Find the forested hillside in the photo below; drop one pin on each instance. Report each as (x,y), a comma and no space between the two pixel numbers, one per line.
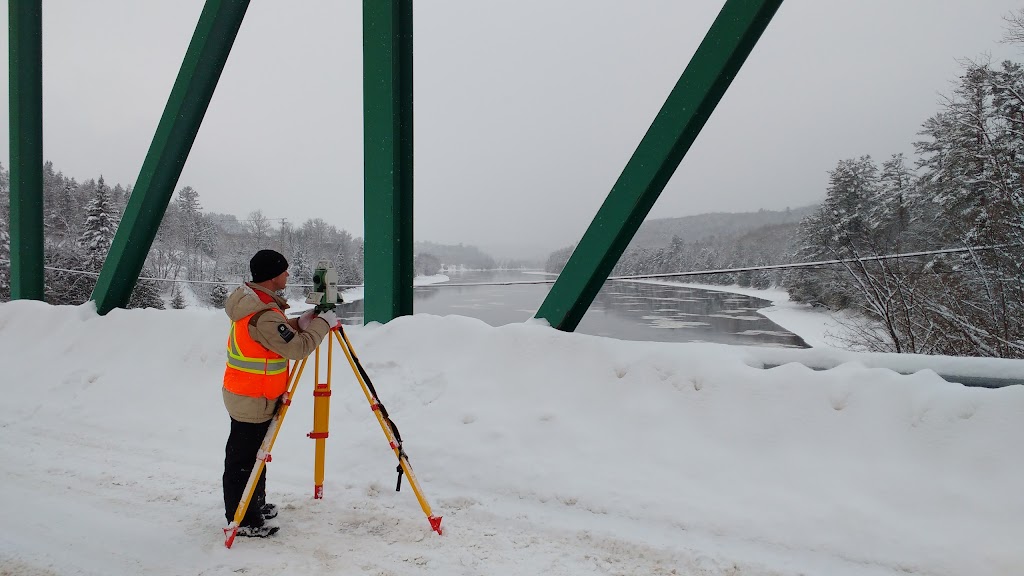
(710,242)
(202,248)
(659,232)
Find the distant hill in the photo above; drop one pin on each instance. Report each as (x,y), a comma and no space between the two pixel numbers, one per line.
(658,233)
(708,241)
(465,255)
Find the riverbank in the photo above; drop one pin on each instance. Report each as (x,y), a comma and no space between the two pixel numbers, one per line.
(353,294)
(819,328)
(826,334)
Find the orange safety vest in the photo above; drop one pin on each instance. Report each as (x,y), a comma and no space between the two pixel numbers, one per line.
(253,370)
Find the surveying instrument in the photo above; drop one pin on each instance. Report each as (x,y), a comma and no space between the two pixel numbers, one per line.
(325,297)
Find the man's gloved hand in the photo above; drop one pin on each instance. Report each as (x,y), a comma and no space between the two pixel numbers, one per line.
(305,319)
(332,319)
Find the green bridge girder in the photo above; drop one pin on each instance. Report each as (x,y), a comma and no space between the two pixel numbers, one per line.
(25,52)
(186,106)
(387,159)
(388,147)
(715,63)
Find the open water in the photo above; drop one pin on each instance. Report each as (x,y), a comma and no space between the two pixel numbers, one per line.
(622,309)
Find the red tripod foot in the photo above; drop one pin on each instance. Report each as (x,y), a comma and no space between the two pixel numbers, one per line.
(229,535)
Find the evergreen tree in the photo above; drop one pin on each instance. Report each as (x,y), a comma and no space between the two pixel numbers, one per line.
(426,264)
(60,286)
(301,272)
(890,213)
(5,238)
(119,198)
(100,224)
(177,300)
(65,217)
(558,259)
(5,258)
(146,294)
(191,231)
(219,293)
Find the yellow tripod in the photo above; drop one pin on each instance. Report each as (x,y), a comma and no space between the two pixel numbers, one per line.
(321,414)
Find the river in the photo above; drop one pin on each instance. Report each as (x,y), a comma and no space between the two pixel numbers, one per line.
(622,309)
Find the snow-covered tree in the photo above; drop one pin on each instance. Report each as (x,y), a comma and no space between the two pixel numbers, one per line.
(968,193)
(146,294)
(5,258)
(194,232)
(65,216)
(5,237)
(426,264)
(219,293)
(177,299)
(259,227)
(100,225)
(60,285)
(349,259)
(558,259)
(300,272)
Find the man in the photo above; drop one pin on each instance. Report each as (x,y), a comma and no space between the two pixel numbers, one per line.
(261,341)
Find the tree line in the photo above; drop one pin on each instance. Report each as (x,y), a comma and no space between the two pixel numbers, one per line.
(764,245)
(80,218)
(967,192)
(204,250)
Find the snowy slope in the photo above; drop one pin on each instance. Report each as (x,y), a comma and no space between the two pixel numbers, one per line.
(546,453)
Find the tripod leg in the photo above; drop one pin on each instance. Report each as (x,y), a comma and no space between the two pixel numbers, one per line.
(262,457)
(321,421)
(379,412)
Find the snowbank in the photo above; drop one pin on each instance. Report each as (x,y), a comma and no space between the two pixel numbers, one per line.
(545,452)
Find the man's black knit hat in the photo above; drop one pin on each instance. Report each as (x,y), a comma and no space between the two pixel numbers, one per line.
(267,264)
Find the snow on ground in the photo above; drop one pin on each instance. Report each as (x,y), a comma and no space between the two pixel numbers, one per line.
(545,452)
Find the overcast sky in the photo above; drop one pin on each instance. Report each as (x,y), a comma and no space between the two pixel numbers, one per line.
(526,111)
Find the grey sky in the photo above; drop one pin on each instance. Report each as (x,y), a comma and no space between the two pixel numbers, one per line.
(526,110)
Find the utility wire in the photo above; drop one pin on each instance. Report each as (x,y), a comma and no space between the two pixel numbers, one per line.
(752,268)
(816,264)
(796,265)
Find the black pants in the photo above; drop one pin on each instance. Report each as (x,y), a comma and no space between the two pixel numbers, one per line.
(239,458)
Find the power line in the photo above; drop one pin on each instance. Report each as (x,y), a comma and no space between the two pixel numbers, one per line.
(816,264)
(753,268)
(796,265)
(251,220)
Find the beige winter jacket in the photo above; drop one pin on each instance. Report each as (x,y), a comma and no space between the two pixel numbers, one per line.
(264,328)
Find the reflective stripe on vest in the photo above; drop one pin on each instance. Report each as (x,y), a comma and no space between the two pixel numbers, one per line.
(251,368)
(252,365)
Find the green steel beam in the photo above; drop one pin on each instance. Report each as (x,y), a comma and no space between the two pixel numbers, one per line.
(190,96)
(715,63)
(387,162)
(25,20)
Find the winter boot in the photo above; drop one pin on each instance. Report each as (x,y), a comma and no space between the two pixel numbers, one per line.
(267,529)
(268,511)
